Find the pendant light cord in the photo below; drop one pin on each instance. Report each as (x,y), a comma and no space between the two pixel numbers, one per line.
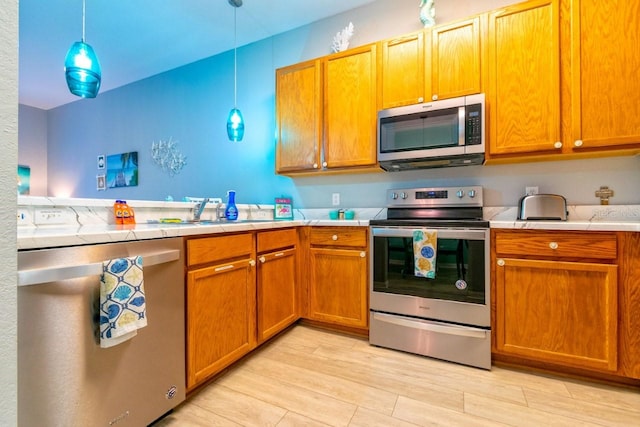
(83,18)
(235,57)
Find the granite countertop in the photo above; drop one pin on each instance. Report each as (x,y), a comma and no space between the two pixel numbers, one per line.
(59,236)
(580,218)
(90,221)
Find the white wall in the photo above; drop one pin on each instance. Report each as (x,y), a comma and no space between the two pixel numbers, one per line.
(9,144)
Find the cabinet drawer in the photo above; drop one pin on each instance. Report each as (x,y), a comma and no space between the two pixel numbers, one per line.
(557,244)
(276,239)
(212,249)
(338,236)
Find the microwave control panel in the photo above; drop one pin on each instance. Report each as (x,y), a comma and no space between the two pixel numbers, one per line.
(473,124)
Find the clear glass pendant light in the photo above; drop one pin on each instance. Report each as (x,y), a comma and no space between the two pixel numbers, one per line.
(81,67)
(235,122)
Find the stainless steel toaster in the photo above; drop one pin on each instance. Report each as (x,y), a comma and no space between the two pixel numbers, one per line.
(542,207)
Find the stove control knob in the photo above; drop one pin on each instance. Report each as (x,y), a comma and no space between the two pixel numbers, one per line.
(403,195)
(472,193)
(460,194)
(394,196)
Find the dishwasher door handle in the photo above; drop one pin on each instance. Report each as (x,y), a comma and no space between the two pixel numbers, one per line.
(39,276)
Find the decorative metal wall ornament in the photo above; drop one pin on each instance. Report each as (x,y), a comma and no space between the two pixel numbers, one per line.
(167,155)
(341,40)
(428,13)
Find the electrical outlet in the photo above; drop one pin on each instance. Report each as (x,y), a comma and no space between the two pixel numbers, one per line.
(23,217)
(50,216)
(335,199)
(530,190)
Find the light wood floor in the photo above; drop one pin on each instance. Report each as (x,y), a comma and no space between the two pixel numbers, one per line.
(311,377)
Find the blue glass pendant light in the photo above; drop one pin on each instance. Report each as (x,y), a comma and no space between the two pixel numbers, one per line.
(235,122)
(81,67)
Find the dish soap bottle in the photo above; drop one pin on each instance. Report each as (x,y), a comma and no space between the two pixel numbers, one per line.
(231,211)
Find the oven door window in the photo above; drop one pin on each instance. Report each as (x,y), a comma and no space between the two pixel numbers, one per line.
(459,269)
(420,131)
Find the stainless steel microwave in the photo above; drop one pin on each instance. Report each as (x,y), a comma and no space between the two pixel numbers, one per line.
(435,134)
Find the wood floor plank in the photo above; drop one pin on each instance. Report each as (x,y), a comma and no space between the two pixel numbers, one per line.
(191,415)
(589,411)
(417,370)
(329,385)
(291,419)
(423,414)
(238,407)
(623,398)
(375,377)
(367,418)
(515,415)
(293,398)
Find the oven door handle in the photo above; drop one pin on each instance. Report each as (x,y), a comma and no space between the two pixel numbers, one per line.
(463,331)
(442,233)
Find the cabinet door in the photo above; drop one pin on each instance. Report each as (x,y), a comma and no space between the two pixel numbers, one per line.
(605,59)
(277,292)
(630,305)
(350,108)
(455,59)
(402,77)
(338,286)
(221,325)
(561,312)
(524,79)
(298,117)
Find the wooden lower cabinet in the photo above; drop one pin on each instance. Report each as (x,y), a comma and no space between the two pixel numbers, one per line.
(276,282)
(221,304)
(629,298)
(562,312)
(338,276)
(556,297)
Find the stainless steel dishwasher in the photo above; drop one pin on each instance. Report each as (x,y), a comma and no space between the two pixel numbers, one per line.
(64,377)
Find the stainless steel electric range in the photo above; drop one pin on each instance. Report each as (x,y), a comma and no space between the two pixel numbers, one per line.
(446,315)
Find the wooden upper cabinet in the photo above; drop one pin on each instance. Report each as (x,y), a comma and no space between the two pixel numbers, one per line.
(350,109)
(402,70)
(298,117)
(524,79)
(605,77)
(455,60)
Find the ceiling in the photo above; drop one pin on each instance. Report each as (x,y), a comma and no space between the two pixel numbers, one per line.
(135,39)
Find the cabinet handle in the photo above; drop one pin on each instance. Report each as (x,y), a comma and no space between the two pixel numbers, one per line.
(557,144)
(500,262)
(262,259)
(363,254)
(434,97)
(324,164)
(315,166)
(553,245)
(578,143)
(421,99)
(252,262)
(334,237)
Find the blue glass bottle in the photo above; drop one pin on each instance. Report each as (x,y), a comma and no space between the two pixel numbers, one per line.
(231,211)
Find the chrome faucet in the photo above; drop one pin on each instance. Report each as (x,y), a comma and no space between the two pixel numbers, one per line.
(199,208)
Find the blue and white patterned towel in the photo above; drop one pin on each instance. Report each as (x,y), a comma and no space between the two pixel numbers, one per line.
(425,245)
(122,300)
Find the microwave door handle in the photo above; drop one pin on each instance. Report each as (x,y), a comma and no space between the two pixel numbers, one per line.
(462,116)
